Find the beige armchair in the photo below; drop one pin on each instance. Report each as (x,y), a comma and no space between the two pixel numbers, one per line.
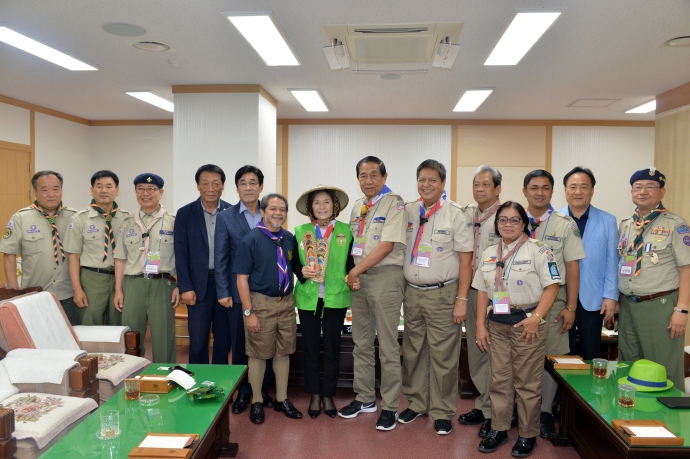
(37,321)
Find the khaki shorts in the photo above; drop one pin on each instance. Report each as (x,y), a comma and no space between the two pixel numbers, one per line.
(556,343)
(278,326)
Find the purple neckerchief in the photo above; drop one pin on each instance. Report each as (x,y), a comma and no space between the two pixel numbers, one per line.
(283,278)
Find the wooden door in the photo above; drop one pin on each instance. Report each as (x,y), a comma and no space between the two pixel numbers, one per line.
(15,188)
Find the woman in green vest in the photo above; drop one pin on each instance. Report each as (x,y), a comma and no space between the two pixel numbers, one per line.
(322,295)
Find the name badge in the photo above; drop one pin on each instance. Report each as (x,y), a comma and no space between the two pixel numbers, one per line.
(627,265)
(501,302)
(552,238)
(153,262)
(358,247)
(423,256)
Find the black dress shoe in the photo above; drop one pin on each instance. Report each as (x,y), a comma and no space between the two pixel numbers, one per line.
(524,446)
(314,409)
(443,426)
(546,426)
(288,409)
(256,415)
(485,428)
(514,420)
(241,403)
(268,401)
(493,440)
(473,417)
(556,411)
(331,412)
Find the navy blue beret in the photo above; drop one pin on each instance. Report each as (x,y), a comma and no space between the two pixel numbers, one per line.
(149,179)
(649,174)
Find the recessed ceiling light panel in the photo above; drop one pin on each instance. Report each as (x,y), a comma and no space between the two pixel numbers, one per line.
(523,32)
(310,99)
(644,108)
(153,99)
(122,29)
(677,42)
(261,30)
(31,46)
(471,100)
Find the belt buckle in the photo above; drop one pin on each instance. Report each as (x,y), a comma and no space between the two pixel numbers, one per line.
(279,299)
(635,299)
(146,276)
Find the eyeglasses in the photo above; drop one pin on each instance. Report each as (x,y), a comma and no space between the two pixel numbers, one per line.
(515,221)
(147,190)
(252,184)
(647,188)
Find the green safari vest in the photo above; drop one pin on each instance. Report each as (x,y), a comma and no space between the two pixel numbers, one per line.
(337,293)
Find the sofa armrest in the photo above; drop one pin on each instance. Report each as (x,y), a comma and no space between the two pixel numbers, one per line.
(105,338)
(8,444)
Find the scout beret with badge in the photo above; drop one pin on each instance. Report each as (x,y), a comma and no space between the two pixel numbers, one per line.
(649,174)
(149,179)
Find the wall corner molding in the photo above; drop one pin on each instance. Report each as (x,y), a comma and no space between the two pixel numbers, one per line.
(224,88)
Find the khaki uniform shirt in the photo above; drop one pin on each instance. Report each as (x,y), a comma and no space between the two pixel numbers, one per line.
(448,232)
(526,274)
(669,236)
(129,243)
(86,236)
(385,222)
(29,235)
(487,233)
(561,234)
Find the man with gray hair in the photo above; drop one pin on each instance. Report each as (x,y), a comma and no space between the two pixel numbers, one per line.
(486,187)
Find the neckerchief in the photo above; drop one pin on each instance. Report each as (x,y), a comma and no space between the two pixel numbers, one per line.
(283,279)
(367,205)
(423,218)
(534,223)
(52,219)
(498,281)
(145,233)
(322,250)
(478,225)
(641,223)
(329,230)
(109,236)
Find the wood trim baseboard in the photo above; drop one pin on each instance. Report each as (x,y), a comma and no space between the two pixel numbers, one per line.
(454,122)
(548,148)
(673,98)
(224,88)
(131,123)
(15,146)
(454,163)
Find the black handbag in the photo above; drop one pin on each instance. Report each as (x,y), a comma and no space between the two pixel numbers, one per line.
(515,316)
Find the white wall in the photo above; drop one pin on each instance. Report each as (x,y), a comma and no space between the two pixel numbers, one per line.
(64,146)
(328,155)
(129,151)
(612,153)
(266,148)
(15,124)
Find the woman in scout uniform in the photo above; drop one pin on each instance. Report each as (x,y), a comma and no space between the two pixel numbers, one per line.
(520,278)
(322,295)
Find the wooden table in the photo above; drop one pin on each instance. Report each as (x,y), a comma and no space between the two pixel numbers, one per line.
(174,413)
(589,406)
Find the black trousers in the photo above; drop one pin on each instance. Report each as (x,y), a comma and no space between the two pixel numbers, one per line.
(205,316)
(332,325)
(587,328)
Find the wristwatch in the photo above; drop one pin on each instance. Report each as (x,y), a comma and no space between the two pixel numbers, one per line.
(248,312)
(683,311)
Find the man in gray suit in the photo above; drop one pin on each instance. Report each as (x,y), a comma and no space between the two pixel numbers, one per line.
(232,225)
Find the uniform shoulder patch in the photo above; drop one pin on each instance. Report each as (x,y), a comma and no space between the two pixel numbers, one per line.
(8,233)
(683,229)
(575,229)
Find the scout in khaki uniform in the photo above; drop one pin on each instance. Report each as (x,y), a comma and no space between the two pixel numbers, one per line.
(36,233)
(518,279)
(377,223)
(90,243)
(438,271)
(486,187)
(264,266)
(145,288)
(653,278)
(561,234)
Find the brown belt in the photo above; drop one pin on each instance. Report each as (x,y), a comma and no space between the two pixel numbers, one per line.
(382,269)
(110,272)
(155,276)
(641,298)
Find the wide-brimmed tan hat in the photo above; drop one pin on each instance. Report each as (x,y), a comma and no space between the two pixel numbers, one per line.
(302,201)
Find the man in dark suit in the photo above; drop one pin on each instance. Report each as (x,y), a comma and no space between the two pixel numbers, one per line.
(195,228)
(233,225)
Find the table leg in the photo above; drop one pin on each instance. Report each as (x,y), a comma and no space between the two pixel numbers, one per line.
(227,449)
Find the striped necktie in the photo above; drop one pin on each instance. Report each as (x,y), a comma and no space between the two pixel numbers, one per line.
(52,219)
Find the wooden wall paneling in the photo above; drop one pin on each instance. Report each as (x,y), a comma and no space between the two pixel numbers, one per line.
(456,122)
(454,163)
(284,165)
(548,149)
(673,98)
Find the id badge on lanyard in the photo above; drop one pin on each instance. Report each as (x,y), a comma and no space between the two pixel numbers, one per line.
(501,302)
(153,263)
(423,256)
(627,265)
(358,247)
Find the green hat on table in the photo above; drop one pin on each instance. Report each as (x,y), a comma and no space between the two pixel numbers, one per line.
(647,376)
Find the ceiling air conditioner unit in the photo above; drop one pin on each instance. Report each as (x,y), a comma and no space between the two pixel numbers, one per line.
(372,48)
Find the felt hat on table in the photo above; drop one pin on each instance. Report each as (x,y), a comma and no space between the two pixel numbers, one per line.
(647,376)
(302,200)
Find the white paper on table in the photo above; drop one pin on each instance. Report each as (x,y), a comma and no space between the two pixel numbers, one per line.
(608,332)
(651,432)
(157,441)
(570,361)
